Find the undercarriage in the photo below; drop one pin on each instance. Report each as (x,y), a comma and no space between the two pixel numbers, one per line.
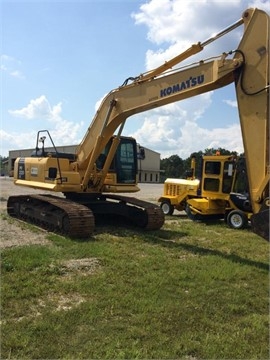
(75,215)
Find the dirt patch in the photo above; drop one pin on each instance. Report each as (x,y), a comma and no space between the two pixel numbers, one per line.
(16,233)
(54,302)
(84,266)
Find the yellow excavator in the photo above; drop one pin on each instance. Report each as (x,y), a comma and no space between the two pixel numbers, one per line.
(105,163)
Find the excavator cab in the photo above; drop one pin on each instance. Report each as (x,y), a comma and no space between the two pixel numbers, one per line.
(124,163)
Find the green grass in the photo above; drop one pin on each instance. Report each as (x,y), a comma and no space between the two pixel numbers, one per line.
(189,291)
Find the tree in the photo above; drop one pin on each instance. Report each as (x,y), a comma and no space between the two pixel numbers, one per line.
(173,166)
(187,162)
(3,165)
(220,151)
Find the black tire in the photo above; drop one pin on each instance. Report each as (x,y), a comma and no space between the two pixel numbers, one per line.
(192,216)
(237,219)
(167,208)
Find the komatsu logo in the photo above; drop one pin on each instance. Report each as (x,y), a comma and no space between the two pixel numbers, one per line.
(189,83)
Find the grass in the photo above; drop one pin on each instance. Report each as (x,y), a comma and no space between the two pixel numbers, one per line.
(189,291)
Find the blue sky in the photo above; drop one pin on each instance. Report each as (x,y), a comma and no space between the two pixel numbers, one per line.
(60,58)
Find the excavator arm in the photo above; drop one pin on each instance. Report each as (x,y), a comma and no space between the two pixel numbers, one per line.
(252,90)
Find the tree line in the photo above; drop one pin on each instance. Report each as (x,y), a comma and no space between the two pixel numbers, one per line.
(176,167)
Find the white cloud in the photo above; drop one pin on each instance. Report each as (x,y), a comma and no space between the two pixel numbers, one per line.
(17,74)
(232,103)
(15,140)
(172,27)
(176,25)
(260,4)
(178,132)
(39,108)
(11,66)
(62,131)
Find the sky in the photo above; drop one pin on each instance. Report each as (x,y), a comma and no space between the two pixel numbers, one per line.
(60,58)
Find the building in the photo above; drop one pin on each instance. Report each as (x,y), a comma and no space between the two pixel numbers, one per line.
(148,165)
(148,161)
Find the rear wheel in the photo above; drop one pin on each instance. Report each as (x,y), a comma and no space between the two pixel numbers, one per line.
(167,208)
(237,219)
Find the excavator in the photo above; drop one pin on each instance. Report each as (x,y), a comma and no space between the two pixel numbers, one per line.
(91,183)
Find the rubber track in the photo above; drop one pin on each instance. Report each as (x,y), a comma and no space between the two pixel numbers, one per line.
(80,219)
(155,215)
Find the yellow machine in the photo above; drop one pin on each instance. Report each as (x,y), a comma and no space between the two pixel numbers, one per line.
(220,191)
(176,192)
(105,162)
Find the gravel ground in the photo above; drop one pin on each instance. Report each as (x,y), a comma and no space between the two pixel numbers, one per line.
(16,233)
